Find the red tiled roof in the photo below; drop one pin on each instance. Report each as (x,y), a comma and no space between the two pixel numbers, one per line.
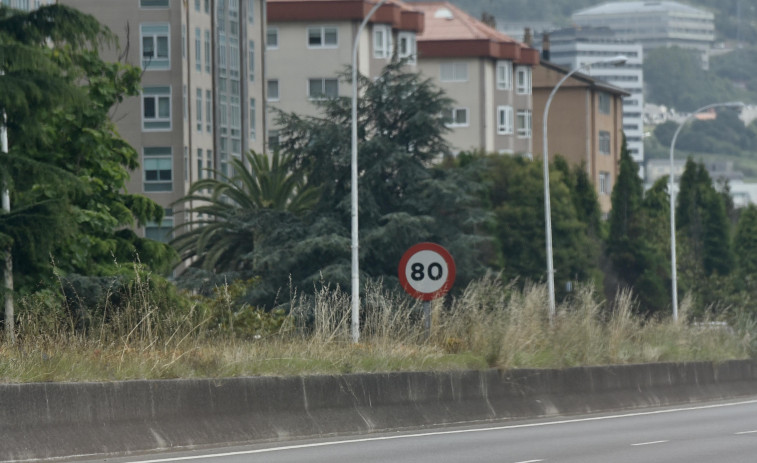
(399,14)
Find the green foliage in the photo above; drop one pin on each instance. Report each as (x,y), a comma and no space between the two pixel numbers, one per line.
(745,243)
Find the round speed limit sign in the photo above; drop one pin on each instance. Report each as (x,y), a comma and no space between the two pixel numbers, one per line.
(426,271)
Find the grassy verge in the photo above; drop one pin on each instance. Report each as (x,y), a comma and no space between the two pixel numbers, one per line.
(491,324)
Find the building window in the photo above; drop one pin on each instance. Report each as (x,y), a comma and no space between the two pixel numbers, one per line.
(321,89)
(155,51)
(157,165)
(251,11)
(322,37)
(523,121)
(222,53)
(456,117)
(162,231)
(209,163)
(505,120)
(198,106)
(153,3)
(198,49)
(234,58)
(273,90)
(604,103)
(504,75)
(454,72)
(407,46)
(207,6)
(523,80)
(272,38)
(208,111)
(184,101)
(156,108)
(605,187)
(207,51)
(199,164)
(382,41)
(183,41)
(252,119)
(273,140)
(197,5)
(604,142)
(251,58)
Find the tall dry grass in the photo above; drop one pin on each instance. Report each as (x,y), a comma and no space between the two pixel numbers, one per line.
(490,324)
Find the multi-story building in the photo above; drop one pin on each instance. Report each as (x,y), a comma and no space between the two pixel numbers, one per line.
(485,72)
(309,43)
(654,24)
(585,124)
(202,92)
(573,47)
(26,5)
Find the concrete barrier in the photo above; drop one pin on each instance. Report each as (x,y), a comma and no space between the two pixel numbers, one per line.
(51,420)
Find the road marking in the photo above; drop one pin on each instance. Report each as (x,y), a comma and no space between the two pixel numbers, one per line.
(443,433)
(745,432)
(650,443)
(530,461)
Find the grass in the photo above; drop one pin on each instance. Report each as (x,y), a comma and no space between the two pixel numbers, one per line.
(490,325)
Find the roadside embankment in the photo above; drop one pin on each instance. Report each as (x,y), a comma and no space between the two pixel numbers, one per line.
(48,420)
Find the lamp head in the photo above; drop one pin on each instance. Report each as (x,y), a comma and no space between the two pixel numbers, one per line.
(616,60)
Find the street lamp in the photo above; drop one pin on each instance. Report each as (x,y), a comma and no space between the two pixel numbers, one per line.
(615,60)
(354,246)
(673,275)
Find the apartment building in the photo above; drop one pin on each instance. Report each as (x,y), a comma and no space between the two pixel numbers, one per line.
(26,5)
(487,74)
(654,24)
(577,46)
(309,43)
(202,91)
(585,124)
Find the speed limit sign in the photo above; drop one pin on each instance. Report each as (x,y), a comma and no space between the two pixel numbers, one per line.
(426,271)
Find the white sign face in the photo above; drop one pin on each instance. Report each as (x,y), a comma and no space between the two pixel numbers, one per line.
(426,271)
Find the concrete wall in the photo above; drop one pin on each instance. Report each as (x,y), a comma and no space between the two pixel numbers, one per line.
(47,420)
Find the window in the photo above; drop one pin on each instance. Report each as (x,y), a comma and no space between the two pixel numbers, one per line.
(207,6)
(208,111)
(272,38)
(504,75)
(234,58)
(183,41)
(504,120)
(407,46)
(604,103)
(252,119)
(156,108)
(456,117)
(604,142)
(197,5)
(222,53)
(454,72)
(155,51)
(605,187)
(162,231)
(273,89)
(382,41)
(207,51)
(157,165)
(523,121)
(199,164)
(251,11)
(198,49)
(273,139)
(184,101)
(251,59)
(321,89)
(322,37)
(209,162)
(198,105)
(523,80)
(153,3)
(186,163)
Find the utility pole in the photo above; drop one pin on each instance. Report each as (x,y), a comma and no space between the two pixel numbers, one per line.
(8,267)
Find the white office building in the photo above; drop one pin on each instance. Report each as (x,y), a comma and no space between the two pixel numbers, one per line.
(573,47)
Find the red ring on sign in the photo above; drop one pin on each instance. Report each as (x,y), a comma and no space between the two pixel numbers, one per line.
(451,272)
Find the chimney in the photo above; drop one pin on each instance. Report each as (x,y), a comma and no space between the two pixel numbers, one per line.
(545,47)
(528,39)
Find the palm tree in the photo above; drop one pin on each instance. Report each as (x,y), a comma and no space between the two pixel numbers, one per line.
(233,215)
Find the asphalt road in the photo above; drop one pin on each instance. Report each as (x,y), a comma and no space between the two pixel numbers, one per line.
(719,432)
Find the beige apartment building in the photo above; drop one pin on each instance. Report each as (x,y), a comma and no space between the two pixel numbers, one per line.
(309,43)
(202,89)
(486,73)
(585,124)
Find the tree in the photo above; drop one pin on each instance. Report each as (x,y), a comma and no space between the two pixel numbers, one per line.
(68,164)
(745,244)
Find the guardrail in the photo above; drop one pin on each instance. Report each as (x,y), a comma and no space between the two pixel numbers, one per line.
(52,420)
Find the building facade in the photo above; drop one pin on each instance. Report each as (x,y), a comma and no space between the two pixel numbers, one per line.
(310,42)
(486,73)
(202,91)
(573,47)
(654,24)
(585,124)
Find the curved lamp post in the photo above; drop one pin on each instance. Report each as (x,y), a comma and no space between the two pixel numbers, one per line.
(673,275)
(616,60)
(354,247)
